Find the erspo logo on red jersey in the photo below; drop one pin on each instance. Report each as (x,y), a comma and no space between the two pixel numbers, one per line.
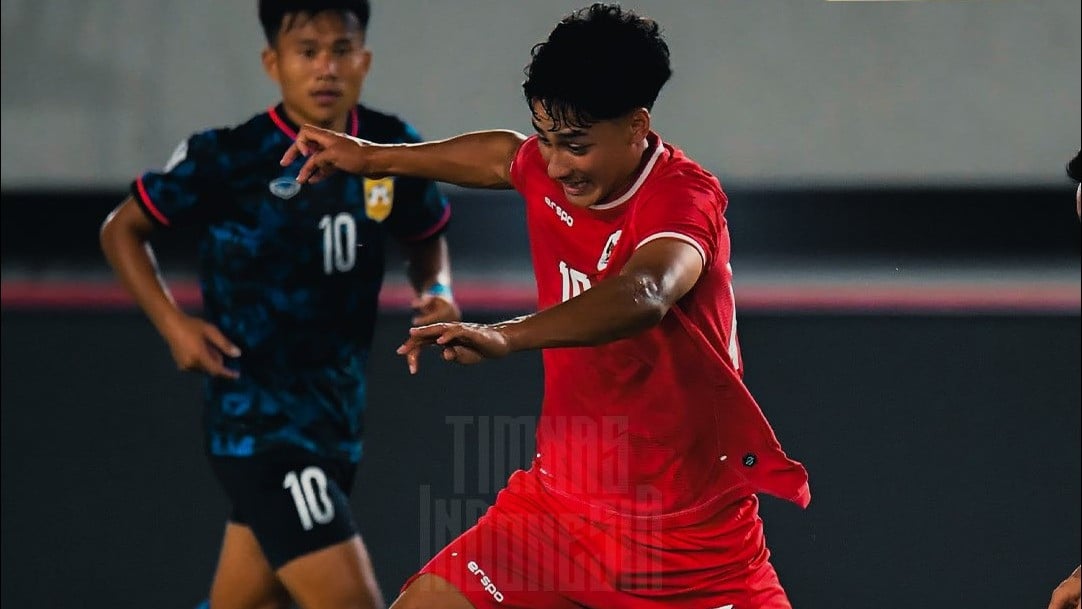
(560,213)
(486,581)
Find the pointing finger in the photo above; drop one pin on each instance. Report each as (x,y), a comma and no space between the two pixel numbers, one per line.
(216,338)
(291,155)
(310,168)
(413,360)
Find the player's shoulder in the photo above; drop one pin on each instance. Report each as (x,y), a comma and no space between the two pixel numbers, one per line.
(233,137)
(678,173)
(675,165)
(530,149)
(250,133)
(529,155)
(676,185)
(528,169)
(384,127)
(225,149)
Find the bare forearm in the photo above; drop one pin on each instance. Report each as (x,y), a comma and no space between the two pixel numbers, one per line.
(476,160)
(133,262)
(428,263)
(613,309)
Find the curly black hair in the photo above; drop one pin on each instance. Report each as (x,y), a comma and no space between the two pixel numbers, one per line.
(273,13)
(599,63)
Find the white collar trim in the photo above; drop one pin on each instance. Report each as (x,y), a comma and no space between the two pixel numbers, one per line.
(638,182)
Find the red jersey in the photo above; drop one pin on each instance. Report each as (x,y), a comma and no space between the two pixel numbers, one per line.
(658,424)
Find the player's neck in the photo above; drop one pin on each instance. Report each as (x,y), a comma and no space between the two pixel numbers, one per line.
(648,146)
(297,121)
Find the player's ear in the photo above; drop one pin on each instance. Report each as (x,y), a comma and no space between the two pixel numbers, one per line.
(639,124)
(366,61)
(270,63)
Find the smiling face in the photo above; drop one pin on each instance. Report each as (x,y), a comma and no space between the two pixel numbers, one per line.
(593,163)
(319,62)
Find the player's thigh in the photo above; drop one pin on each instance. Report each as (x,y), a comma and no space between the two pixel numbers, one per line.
(297,506)
(244,579)
(510,559)
(339,576)
(294,502)
(430,591)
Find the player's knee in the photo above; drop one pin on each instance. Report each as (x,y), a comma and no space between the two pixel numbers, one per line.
(431,592)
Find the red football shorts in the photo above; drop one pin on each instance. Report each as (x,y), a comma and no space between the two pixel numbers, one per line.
(532,550)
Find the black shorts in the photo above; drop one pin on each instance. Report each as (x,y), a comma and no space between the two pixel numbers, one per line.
(293,501)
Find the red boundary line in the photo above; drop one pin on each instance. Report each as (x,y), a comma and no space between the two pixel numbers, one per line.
(822,296)
(83,294)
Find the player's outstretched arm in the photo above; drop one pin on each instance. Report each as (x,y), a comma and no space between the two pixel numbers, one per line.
(194,343)
(656,276)
(477,160)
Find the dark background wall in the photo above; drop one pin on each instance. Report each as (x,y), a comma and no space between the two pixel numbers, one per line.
(834,226)
(943,443)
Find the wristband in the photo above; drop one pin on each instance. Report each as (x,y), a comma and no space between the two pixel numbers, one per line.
(440,290)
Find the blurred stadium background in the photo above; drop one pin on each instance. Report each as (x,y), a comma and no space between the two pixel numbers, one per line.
(906,255)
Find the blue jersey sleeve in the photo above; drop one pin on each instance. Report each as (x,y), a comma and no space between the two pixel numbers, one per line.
(177,194)
(420,210)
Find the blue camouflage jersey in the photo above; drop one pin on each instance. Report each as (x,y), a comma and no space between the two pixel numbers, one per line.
(291,274)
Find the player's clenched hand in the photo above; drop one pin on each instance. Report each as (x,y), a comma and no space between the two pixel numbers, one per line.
(433,309)
(464,343)
(1067,594)
(328,152)
(198,346)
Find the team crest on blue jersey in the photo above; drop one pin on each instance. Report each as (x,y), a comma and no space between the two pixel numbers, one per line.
(284,187)
(606,254)
(378,198)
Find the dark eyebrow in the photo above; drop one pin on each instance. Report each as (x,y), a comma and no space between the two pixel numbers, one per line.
(572,134)
(315,42)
